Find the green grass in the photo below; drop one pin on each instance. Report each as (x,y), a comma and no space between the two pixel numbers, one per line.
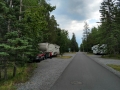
(7,85)
(116,67)
(88,53)
(23,75)
(117,57)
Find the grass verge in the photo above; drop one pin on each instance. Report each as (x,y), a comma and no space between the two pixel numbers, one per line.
(23,75)
(117,57)
(70,52)
(88,53)
(64,57)
(116,67)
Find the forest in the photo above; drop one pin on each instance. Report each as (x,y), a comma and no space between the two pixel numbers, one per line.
(24,24)
(108,32)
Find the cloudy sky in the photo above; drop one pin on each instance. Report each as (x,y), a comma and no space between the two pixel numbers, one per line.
(71,15)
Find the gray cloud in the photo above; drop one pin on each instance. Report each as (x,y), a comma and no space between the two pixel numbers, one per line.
(71,14)
(76,9)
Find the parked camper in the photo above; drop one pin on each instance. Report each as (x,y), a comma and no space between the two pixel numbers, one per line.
(99,49)
(49,49)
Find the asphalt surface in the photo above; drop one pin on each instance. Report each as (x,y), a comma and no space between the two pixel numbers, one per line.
(83,73)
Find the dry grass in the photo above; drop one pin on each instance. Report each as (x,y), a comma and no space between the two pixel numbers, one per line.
(70,52)
(116,67)
(64,57)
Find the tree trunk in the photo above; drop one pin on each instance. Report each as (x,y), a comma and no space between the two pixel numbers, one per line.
(0,72)
(14,70)
(20,10)
(8,27)
(5,69)
(0,69)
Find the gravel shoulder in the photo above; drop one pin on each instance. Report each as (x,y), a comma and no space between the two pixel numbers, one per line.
(45,75)
(104,62)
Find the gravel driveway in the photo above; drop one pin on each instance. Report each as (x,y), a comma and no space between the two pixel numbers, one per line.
(45,75)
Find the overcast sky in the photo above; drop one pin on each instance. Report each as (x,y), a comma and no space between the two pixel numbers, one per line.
(71,15)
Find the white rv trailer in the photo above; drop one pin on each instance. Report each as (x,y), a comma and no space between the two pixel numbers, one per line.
(48,48)
(99,49)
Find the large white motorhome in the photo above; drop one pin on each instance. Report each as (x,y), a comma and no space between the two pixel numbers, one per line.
(99,49)
(49,48)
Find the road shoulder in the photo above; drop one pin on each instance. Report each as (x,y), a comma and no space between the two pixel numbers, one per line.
(104,62)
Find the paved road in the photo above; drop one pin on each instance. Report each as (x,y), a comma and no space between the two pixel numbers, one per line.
(85,74)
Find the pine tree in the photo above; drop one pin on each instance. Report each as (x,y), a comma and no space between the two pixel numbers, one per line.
(108,13)
(74,44)
(85,36)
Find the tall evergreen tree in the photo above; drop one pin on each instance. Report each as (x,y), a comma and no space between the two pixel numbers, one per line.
(86,32)
(74,44)
(108,12)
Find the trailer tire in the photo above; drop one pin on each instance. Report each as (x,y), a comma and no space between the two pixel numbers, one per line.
(39,60)
(49,55)
(43,58)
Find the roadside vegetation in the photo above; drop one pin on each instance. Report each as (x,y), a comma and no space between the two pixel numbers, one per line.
(116,57)
(64,57)
(108,32)
(116,67)
(24,24)
(23,74)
